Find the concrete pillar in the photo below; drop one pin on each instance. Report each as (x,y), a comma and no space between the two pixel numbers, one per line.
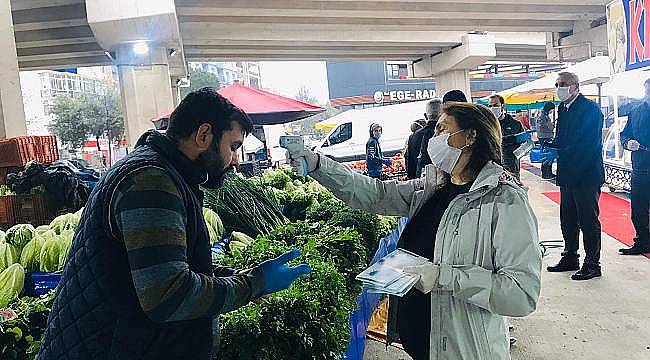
(453,80)
(145,87)
(12,110)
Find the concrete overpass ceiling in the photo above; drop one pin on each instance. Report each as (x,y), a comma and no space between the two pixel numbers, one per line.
(352,29)
(54,34)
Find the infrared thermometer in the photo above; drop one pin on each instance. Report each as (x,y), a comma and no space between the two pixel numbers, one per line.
(294,145)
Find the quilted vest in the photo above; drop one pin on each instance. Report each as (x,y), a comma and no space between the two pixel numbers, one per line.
(96,313)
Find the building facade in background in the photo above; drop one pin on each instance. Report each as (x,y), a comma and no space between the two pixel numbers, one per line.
(362,84)
(40,87)
(247,73)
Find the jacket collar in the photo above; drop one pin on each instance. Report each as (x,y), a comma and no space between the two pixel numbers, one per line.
(189,170)
(491,175)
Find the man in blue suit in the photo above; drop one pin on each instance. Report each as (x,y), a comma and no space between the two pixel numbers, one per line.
(580,174)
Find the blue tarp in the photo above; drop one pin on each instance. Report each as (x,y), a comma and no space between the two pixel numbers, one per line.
(368,302)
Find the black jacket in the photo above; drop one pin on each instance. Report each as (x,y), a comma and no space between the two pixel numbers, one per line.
(579,143)
(509,128)
(374,157)
(638,128)
(413,153)
(424,159)
(96,314)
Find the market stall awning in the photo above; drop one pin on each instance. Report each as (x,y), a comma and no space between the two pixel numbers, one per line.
(590,72)
(266,108)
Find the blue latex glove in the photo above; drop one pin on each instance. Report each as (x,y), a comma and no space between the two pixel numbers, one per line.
(387,162)
(278,276)
(549,155)
(522,137)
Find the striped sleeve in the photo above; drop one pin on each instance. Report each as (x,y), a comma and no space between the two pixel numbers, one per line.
(151,219)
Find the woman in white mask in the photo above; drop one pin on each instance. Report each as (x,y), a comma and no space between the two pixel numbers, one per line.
(473,221)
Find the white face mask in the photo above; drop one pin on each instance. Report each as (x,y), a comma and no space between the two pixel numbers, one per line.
(442,154)
(497,111)
(563,93)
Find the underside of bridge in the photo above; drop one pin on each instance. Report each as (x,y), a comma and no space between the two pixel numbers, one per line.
(444,39)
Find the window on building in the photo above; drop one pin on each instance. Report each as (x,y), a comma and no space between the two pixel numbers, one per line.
(255,82)
(397,71)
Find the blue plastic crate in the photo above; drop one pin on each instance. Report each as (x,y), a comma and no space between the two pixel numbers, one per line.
(536,154)
(39,283)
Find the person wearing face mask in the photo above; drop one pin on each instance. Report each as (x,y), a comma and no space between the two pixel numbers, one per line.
(139,281)
(374,157)
(580,174)
(545,132)
(434,107)
(636,138)
(512,131)
(472,220)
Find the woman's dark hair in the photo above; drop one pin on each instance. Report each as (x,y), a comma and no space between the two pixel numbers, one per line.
(549,106)
(487,146)
(202,106)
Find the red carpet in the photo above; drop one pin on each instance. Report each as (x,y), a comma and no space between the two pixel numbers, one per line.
(614,217)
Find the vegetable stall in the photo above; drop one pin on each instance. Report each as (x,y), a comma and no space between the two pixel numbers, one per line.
(249,221)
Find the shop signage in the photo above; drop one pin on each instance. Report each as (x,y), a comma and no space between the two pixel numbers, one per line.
(404,95)
(628,24)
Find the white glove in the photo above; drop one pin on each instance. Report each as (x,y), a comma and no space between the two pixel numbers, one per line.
(428,274)
(311,158)
(633,145)
(438,176)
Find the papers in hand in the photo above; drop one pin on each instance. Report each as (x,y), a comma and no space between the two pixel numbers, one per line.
(386,276)
(524,149)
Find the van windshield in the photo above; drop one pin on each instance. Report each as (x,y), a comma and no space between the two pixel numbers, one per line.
(342,133)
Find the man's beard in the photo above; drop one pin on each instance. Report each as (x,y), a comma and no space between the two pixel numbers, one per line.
(215,167)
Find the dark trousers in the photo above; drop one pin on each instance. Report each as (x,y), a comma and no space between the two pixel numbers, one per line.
(414,324)
(547,169)
(640,199)
(579,211)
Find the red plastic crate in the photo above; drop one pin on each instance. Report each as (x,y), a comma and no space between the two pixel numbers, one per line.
(33,209)
(20,150)
(7,210)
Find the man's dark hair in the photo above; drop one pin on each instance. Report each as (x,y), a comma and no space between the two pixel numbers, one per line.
(454,96)
(202,106)
(502,101)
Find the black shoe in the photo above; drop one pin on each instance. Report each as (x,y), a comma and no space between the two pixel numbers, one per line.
(548,177)
(565,264)
(639,248)
(587,272)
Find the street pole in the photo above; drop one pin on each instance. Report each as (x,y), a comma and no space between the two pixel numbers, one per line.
(108,130)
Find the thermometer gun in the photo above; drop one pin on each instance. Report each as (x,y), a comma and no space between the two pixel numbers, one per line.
(294,144)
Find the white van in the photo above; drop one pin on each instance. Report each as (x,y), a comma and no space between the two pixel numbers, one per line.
(347,141)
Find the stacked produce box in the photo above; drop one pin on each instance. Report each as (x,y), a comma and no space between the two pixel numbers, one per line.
(15,153)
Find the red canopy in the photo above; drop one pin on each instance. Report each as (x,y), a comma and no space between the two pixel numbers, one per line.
(266,108)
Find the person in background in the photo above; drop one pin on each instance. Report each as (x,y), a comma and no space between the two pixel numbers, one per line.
(474,223)
(636,138)
(512,131)
(412,149)
(578,148)
(139,281)
(545,126)
(374,157)
(423,158)
(522,117)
